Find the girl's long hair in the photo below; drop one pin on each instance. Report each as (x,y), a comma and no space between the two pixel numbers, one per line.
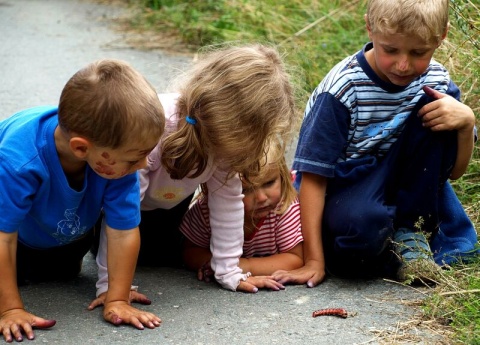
(239,97)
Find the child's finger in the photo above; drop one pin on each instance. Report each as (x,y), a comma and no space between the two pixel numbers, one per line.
(113,318)
(96,303)
(433,93)
(7,335)
(139,298)
(136,323)
(315,280)
(42,323)
(200,274)
(247,287)
(17,332)
(274,285)
(282,276)
(149,320)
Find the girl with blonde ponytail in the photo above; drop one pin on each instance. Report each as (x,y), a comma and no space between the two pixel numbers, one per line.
(218,127)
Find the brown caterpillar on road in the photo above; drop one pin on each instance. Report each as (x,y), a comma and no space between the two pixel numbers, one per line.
(340,312)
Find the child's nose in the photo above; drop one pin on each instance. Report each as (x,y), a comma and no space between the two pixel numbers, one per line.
(260,195)
(403,64)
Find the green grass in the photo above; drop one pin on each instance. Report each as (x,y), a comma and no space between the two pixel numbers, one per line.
(338,33)
(456,303)
(314,36)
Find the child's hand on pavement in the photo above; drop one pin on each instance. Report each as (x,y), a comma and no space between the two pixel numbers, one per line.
(118,312)
(14,322)
(446,113)
(205,273)
(312,274)
(135,297)
(253,283)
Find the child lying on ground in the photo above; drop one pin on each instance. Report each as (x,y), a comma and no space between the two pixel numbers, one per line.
(272,229)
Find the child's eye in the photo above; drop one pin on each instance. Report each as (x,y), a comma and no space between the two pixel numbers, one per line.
(246,190)
(419,53)
(133,162)
(389,50)
(269,183)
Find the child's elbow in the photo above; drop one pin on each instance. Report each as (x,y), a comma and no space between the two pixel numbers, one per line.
(456,174)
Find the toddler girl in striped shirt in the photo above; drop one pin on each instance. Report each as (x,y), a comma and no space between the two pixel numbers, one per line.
(272,230)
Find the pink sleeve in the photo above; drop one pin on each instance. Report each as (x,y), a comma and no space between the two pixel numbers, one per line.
(226,220)
(153,163)
(101,259)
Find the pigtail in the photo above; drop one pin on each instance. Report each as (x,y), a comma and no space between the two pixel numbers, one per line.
(241,98)
(184,154)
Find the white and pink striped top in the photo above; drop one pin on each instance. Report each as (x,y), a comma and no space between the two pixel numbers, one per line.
(277,233)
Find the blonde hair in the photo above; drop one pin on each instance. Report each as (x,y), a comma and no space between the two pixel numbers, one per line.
(111,104)
(239,97)
(426,19)
(275,159)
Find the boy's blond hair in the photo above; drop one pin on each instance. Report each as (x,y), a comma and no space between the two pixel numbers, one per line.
(426,19)
(275,159)
(111,104)
(239,97)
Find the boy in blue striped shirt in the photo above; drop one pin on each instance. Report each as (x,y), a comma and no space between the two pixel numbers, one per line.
(381,136)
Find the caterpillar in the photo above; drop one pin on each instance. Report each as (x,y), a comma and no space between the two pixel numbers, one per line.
(340,312)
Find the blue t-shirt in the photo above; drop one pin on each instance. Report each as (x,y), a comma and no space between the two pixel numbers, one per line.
(35,197)
(353,113)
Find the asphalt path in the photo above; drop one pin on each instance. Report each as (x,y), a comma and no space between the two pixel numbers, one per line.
(42,43)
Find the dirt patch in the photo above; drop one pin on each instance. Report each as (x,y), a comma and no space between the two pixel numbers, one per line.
(151,40)
(142,39)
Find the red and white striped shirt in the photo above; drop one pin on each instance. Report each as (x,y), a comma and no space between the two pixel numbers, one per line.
(277,233)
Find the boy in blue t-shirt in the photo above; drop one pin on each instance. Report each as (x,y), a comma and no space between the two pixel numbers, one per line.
(59,168)
(382,134)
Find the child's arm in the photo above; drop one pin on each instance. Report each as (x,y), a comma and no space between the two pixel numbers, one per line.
(122,252)
(102,282)
(195,227)
(446,113)
(312,202)
(195,256)
(226,221)
(288,239)
(198,259)
(14,320)
(265,266)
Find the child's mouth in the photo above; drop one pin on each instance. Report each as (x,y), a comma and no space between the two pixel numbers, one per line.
(263,209)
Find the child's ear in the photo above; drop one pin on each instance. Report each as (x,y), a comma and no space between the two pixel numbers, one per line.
(365,17)
(444,35)
(79,146)
(446,31)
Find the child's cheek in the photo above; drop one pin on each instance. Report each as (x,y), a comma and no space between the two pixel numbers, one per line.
(125,172)
(110,161)
(101,168)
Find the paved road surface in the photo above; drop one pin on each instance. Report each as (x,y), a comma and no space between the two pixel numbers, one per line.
(42,43)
